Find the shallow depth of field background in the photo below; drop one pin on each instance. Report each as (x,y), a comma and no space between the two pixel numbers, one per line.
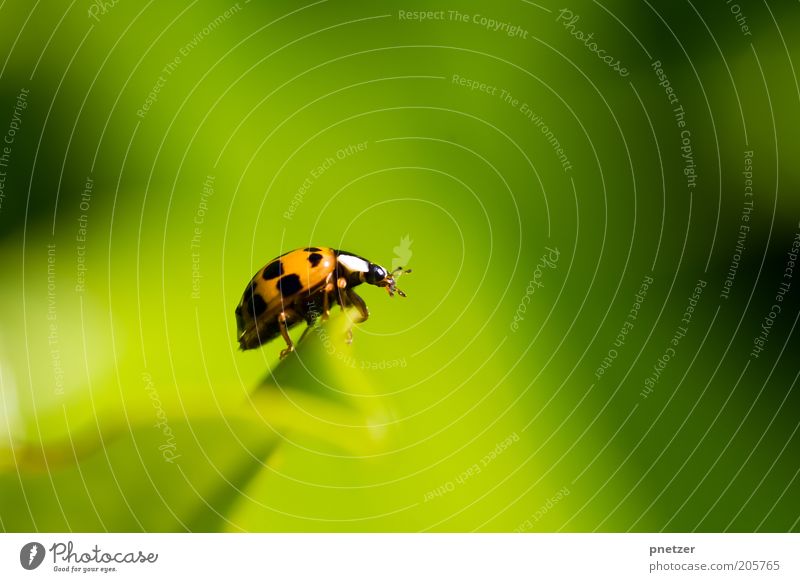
(158,154)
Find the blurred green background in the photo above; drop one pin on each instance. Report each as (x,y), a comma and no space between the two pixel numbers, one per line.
(158,154)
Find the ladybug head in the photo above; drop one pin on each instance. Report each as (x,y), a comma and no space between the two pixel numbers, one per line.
(378,276)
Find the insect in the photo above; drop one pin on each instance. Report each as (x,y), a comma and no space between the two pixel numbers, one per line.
(301,285)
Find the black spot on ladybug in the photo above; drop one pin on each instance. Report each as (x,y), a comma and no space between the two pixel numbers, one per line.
(289,285)
(311,249)
(257,305)
(314,259)
(239,319)
(248,293)
(273,270)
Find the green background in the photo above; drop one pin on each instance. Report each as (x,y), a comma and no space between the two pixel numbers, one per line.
(443,415)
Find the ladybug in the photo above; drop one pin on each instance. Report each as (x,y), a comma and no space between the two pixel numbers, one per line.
(300,286)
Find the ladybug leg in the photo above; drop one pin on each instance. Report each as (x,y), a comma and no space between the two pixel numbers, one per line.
(326,309)
(343,299)
(284,326)
(341,293)
(363,313)
(358,303)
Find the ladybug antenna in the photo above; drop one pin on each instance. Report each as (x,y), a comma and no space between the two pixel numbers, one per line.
(392,287)
(399,271)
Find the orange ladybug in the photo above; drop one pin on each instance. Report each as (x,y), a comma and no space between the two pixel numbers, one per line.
(300,286)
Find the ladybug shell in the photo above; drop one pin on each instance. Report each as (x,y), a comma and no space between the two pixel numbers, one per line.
(289,283)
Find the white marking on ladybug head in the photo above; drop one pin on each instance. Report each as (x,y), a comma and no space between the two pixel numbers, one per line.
(353,264)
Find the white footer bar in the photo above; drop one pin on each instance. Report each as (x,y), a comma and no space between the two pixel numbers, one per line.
(406,557)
